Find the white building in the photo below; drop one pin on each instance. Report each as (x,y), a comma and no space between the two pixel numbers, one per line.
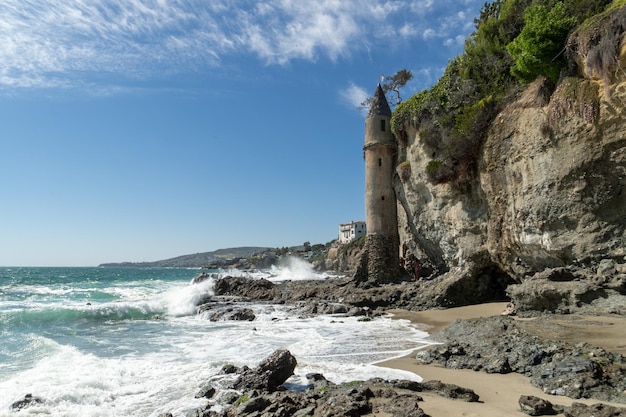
(350,231)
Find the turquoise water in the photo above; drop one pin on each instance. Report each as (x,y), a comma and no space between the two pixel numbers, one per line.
(128,341)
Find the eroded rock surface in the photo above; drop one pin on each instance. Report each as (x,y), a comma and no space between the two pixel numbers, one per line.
(502,345)
(259,394)
(549,194)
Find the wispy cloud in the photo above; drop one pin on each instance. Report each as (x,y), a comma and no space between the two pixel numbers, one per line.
(54,43)
(354,95)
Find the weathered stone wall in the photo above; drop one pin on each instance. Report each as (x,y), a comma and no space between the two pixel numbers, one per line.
(379,261)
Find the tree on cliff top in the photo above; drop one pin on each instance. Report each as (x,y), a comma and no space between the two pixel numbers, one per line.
(391,84)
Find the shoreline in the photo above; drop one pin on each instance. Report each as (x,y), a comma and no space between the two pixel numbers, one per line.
(500,393)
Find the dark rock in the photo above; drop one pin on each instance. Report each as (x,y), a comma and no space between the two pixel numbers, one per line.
(270,373)
(25,402)
(405,406)
(450,391)
(229,398)
(232,313)
(253,404)
(208,391)
(318,382)
(229,369)
(501,344)
(572,376)
(596,410)
(322,398)
(498,366)
(254,289)
(321,307)
(408,385)
(203,277)
(535,406)
(347,402)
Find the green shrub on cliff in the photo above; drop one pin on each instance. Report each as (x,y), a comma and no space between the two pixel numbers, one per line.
(514,42)
(538,48)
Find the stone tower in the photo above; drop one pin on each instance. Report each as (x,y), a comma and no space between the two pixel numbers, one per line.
(380,261)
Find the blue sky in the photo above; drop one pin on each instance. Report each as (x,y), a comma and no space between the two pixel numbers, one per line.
(139,130)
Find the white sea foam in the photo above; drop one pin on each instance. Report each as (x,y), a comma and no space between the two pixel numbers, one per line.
(290,268)
(75,384)
(191,351)
(295,269)
(182,301)
(147,352)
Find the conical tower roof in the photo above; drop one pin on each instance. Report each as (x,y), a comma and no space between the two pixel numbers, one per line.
(379,105)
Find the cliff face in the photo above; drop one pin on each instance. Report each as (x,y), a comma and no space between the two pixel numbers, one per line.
(343,259)
(547,208)
(554,189)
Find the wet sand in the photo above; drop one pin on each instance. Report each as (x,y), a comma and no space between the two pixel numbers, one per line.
(499,394)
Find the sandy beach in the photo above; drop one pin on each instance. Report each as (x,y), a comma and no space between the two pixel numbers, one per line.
(499,393)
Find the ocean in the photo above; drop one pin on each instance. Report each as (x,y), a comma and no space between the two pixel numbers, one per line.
(129,341)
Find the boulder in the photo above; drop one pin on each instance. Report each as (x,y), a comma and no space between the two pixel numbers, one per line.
(272,372)
(255,289)
(25,402)
(535,406)
(450,391)
(232,313)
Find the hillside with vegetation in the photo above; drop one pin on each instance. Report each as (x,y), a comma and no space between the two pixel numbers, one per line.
(515,42)
(511,169)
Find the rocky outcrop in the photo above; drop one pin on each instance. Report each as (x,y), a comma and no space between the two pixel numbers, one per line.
(271,373)
(254,289)
(355,298)
(596,410)
(231,313)
(503,345)
(555,188)
(535,406)
(566,290)
(549,194)
(342,258)
(260,392)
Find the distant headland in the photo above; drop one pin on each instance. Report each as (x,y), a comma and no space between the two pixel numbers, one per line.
(196,260)
(244,256)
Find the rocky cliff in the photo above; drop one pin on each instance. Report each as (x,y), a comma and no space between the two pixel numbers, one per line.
(543,218)
(342,258)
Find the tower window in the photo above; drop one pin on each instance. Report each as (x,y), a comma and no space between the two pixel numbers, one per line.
(383,198)
(380,162)
(382,125)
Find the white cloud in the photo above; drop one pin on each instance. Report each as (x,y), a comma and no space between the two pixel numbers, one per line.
(408,30)
(354,95)
(429,33)
(422,7)
(456,41)
(59,42)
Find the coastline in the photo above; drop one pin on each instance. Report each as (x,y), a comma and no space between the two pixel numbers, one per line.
(499,393)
